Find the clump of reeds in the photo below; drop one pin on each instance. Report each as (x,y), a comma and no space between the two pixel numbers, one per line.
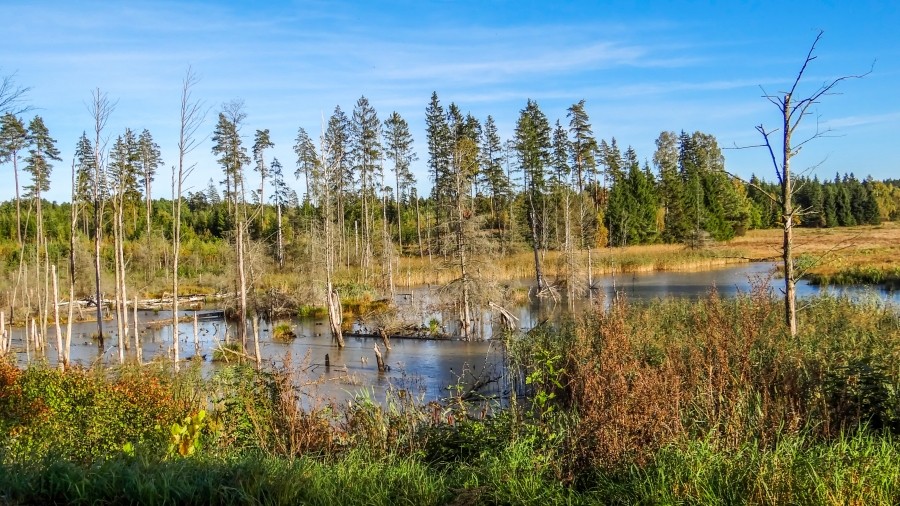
(643,376)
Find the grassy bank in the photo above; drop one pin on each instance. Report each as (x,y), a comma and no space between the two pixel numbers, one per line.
(687,402)
(829,255)
(856,469)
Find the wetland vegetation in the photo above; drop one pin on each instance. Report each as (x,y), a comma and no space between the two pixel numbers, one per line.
(611,400)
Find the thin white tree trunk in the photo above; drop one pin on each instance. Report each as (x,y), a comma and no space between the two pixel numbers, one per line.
(60,351)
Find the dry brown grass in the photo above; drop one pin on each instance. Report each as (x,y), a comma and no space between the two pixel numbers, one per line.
(832,249)
(829,250)
(725,371)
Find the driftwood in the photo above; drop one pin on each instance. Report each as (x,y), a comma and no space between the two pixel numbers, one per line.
(384,338)
(506,318)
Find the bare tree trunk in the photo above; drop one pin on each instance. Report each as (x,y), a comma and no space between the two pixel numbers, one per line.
(138,351)
(196,335)
(787,214)
(190,120)
(148,203)
(419,229)
(72,228)
(242,288)
(569,248)
(4,341)
(387,247)
(256,341)
(60,351)
(101,108)
(384,338)
(118,246)
(793,111)
(335,314)
(280,238)
(535,240)
(379,360)
(15,161)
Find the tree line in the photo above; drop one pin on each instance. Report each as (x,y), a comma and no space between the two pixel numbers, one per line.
(687,191)
(354,202)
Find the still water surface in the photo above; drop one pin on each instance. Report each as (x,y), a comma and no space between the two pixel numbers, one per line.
(427,369)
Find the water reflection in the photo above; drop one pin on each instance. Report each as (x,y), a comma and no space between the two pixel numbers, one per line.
(427,369)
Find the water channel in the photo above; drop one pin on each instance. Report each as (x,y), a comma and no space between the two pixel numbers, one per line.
(430,369)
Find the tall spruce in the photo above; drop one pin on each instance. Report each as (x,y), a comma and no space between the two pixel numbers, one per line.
(398,147)
(307,159)
(532,143)
(339,175)
(149,160)
(365,151)
(495,180)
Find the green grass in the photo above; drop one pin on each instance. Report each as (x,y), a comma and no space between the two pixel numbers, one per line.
(667,402)
(886,277)
(862,468)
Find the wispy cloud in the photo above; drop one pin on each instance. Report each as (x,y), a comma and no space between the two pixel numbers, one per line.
(863,120)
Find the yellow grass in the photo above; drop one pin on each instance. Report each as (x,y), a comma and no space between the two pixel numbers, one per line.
(829,250)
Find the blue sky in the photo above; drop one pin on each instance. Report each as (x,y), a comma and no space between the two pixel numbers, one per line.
(642,67)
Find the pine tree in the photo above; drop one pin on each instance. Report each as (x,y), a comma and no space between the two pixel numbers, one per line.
(261,142)
(41,152)
(671,188)
(583,146)
(122,175)
(84,172)
(232,156)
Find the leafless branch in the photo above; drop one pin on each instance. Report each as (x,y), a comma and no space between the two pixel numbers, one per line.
(800,108)
(755,186)
(842,245)
(12,96)
(761,129)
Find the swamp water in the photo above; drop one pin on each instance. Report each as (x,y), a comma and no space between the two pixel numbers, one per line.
(428,369)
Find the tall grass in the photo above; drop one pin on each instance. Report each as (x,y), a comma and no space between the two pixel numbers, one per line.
(725,371)
(668,402)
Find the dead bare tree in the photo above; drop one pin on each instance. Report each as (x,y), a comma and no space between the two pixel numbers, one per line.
(12,96)
(793,111)
(324,176)
(192,115)
(100,109)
